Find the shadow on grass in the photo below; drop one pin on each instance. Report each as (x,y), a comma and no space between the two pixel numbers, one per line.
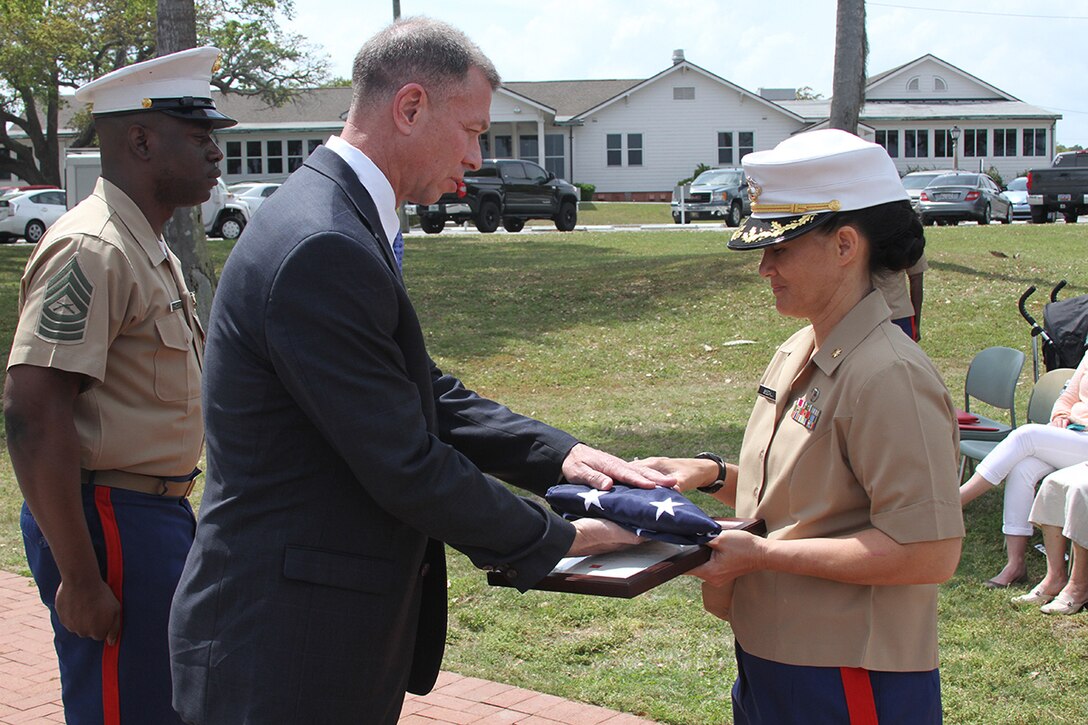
(1044,285)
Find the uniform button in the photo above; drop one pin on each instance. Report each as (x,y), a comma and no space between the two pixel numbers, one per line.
(511,573)
(424,569)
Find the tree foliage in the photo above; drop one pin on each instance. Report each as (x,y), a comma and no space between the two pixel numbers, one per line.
(48,48)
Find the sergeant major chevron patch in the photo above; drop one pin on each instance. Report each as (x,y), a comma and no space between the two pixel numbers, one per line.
(66,305)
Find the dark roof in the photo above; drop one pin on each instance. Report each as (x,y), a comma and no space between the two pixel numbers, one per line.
(571,97)
(314,104)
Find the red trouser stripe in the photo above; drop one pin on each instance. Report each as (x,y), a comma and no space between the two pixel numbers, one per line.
(111,695)
(859,696)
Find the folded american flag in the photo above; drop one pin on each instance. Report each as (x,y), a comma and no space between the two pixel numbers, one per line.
(655,513)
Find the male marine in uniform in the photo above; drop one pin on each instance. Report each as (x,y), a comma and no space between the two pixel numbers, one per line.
(102,399)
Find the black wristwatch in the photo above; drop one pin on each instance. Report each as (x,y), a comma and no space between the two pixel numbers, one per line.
(720,480)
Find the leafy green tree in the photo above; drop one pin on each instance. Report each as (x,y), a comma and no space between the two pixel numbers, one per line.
(50,47)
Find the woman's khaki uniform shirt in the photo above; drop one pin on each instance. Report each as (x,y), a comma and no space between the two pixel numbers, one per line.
(861,436)
(100,297)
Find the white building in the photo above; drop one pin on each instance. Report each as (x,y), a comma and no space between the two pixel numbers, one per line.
(634,139)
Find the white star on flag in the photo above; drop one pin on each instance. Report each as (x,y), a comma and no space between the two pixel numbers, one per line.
(593,498)
(666,506)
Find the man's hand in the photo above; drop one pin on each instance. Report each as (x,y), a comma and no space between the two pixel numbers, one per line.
(89,610)
(598,469)
(599,536)
(734,554)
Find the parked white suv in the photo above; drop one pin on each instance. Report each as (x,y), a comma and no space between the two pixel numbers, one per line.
(28,214)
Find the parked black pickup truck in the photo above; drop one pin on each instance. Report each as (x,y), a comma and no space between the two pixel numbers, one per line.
(1062,188)
(506,190)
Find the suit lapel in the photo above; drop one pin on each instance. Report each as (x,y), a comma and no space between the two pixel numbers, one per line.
(330,165)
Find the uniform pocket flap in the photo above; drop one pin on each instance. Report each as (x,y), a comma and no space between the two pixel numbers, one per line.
(174,332)
(338,569)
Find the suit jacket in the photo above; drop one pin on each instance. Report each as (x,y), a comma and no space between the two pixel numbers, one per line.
(339,457)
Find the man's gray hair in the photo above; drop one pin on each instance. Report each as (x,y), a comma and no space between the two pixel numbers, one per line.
(420,50)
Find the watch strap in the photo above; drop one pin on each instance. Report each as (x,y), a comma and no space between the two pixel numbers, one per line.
(720,480)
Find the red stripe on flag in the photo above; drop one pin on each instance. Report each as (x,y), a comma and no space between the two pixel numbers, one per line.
(111,694)
(859,696)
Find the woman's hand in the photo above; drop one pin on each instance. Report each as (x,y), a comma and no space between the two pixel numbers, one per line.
(689,473)
(734,553)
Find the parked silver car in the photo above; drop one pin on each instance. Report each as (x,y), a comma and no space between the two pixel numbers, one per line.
(1017,193)
(962,196)
(915,181)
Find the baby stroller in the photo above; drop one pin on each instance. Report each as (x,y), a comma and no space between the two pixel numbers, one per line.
(1064,332)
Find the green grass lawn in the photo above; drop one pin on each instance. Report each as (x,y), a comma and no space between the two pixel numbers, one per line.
(624,340)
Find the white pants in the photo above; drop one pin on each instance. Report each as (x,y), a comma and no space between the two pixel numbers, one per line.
(1029,453)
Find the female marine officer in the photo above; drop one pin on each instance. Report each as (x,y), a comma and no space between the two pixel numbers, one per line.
(849,456)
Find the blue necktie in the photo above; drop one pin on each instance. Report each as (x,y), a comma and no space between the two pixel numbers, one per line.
(398,249)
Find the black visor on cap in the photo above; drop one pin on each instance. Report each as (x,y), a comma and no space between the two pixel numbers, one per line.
(759,233)
(188,108)
(192,109)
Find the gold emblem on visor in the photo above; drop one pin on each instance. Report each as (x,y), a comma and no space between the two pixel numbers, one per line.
(146,103)
(754,190)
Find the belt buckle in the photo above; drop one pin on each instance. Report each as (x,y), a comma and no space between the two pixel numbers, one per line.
(164,487)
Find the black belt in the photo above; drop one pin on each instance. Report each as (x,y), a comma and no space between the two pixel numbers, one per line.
(169,486)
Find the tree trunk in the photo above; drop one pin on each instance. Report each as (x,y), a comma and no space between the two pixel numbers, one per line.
(184,232)
(851,51)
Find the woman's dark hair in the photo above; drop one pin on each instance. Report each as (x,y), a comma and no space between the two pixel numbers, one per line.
(896,238)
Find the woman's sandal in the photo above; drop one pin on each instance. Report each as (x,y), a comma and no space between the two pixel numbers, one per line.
(1063,605)
(1035,598)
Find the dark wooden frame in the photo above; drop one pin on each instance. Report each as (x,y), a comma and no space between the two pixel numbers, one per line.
(650,577)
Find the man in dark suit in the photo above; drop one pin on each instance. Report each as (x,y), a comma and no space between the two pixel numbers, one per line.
(339,456)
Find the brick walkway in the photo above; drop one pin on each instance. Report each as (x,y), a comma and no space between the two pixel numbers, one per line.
(30,683)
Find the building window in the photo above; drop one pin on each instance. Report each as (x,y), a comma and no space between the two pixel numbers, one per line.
(234,158)
(914,84)
(1005,142)
(614,149)
(529,148)
(725,148)
(275,157)
(942,144)
(294,154)
(1034,142)
(974,142)
(634,149)
(728,154)
(554,158)
(485,147)
(890,141)
(939,84)
(916,143)
(274,152)
(504,147)
(683,93)
(254,157)
(746,143)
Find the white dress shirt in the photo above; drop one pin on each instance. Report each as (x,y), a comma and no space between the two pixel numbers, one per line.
(374,181)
